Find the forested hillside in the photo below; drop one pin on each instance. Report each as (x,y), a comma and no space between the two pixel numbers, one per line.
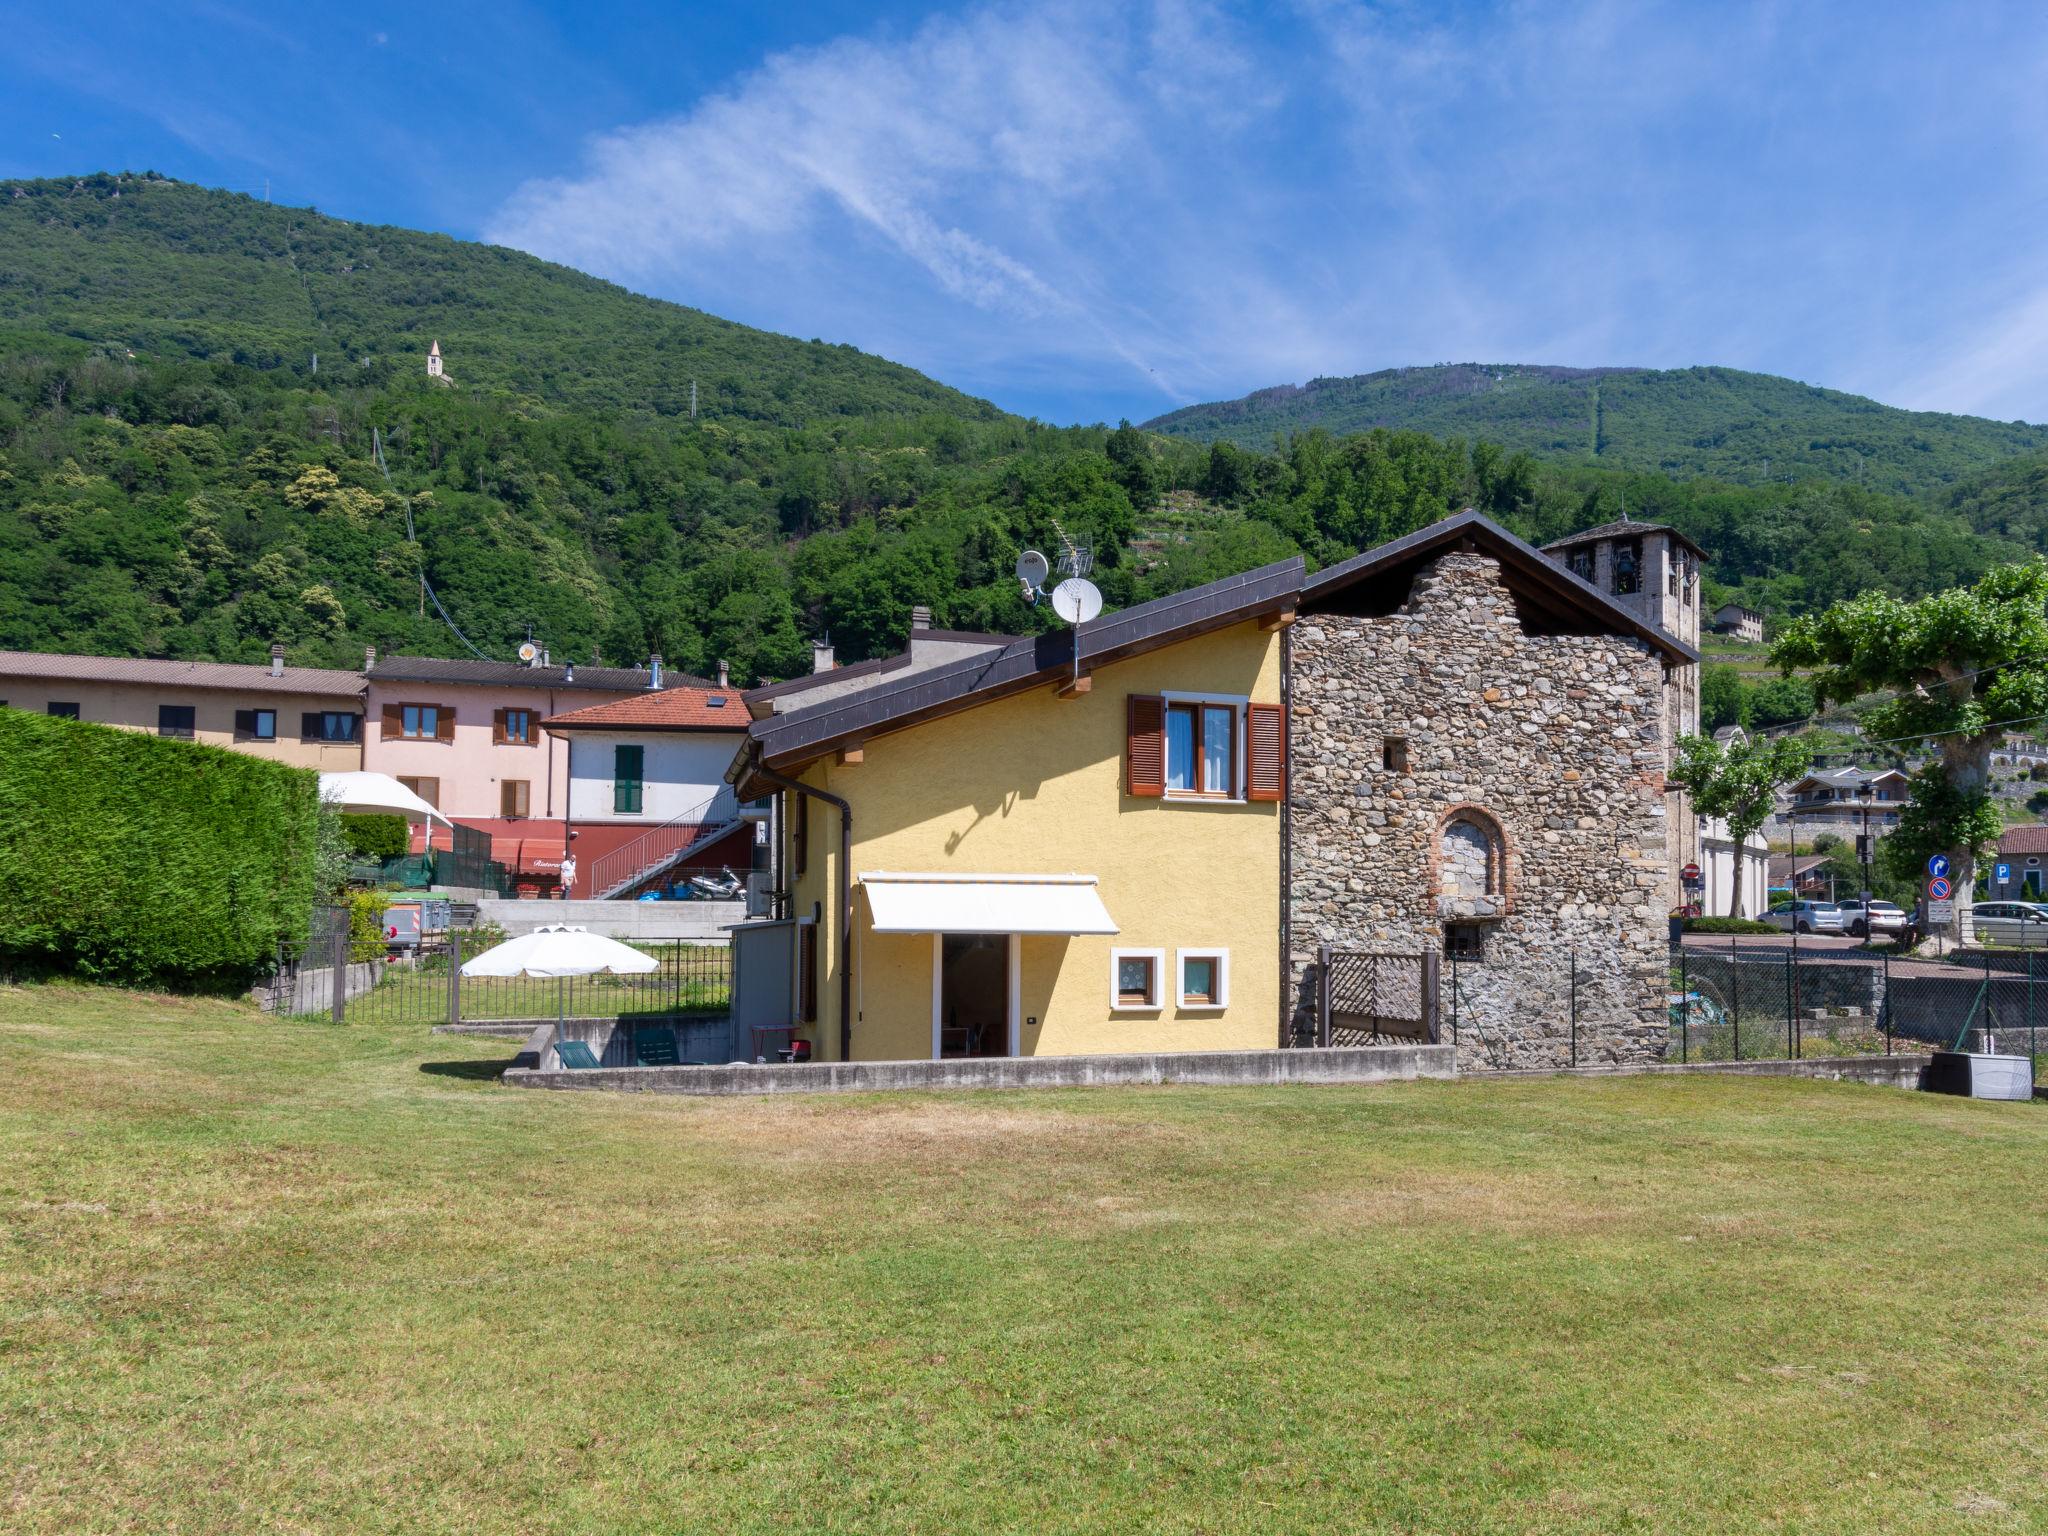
(164,269)
(175,480)
(1749,428)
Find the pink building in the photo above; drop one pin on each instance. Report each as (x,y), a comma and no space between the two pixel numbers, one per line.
(466,737)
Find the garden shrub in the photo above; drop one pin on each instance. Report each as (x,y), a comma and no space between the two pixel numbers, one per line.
(131,857)
(366,911)
(376,836)
(1727,925)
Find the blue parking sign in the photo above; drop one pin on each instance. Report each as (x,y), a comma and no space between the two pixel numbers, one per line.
(2004,873)
(1938,866)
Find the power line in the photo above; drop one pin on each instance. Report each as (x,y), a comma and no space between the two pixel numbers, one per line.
(419,553)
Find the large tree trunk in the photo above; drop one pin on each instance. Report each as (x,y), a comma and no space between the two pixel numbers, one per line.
(1966,764)
(1735,886)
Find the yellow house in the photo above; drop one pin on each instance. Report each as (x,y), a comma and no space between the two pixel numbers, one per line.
(1068,845)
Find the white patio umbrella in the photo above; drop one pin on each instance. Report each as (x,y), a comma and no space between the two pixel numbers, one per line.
(377,794)
(559,951)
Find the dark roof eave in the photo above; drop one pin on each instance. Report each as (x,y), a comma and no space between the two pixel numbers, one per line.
(1525,557)
(928,694)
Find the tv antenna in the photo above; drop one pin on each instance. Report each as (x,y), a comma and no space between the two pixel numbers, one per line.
(1075,559)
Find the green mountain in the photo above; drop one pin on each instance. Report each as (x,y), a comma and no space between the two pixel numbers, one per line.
(176,478)
(1747,428)
(162,269)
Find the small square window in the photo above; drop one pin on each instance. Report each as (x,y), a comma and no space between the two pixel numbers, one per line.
(57,711)
(266,725)
(1134,978)
(1465,941)
(1204,977)
(1394,754)
(175,720)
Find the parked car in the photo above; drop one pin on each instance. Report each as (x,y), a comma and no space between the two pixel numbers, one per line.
(2023,924)
(1884,919)
(1806,917)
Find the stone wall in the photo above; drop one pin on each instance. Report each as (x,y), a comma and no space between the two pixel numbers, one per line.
(1554,743)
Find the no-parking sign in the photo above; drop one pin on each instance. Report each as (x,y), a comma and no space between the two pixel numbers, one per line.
(1937,889)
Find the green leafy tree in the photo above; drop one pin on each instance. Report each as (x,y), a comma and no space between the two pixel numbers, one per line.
(1738,783)
(1963,666)
(1781,701)
(1720,698)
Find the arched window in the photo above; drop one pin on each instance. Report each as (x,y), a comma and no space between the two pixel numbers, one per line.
(1472,873)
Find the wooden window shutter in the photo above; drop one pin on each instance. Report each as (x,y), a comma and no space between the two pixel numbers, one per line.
(1145,727)
(312,727)
(807,973)
(444,723)
(497,727)
(394,721)
(245,722)
(1265,751)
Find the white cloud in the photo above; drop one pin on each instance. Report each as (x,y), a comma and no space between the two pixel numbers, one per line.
(1192,198)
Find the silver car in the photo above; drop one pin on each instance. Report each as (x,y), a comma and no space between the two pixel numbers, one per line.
(2022,924)
(1884,919)
(1805,917)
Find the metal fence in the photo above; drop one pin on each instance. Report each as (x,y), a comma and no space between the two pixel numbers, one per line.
(425,985)
(1754,999)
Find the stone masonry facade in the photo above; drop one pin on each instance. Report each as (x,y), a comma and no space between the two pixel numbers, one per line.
(1453,771)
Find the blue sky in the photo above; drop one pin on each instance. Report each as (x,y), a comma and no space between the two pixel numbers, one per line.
(1089,211)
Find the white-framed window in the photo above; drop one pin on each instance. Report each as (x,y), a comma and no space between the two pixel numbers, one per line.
(1205,746)
(1134,978)
(1202,978)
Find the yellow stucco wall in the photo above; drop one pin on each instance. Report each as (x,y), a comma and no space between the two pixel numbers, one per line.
(1034,784)
(133,706)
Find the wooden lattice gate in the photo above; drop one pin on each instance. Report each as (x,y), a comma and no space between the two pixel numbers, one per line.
(1363,996)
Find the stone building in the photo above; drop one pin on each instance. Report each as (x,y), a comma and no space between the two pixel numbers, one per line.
(1653,572)
(1478,755)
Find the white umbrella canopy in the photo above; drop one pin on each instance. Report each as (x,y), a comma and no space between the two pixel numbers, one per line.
(377,794)
(559,950)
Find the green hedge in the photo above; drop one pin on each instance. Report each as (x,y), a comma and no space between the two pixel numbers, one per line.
(377,837)
(130,857)
(1727,925)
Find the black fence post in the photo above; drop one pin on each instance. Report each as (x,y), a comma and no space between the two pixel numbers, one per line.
(1735,997)
(1322,994)
(1432,989)
(1454,1003)
(1886,1006)
(1684,1011)
(338,959)
(1575,1007)
(1794,1025)
(2031,1054)
(454,975)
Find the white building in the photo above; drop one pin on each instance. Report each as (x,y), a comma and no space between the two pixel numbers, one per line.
(1717,869)
(648,801)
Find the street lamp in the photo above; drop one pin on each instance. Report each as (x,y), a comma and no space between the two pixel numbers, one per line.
(1863,794)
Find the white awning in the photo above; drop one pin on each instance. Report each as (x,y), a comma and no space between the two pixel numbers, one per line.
(986,904)
(376,794)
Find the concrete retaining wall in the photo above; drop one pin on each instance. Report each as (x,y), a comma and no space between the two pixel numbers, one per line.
(312,990)
(704,921)
(1361,1064)
(1902,1071)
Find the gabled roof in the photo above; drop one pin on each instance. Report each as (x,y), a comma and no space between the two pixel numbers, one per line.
(771,696)
(1623,528)
(1847,778)
(1020,665)
(516,674)
(668,709)
(1556,590)
(240,677)
(2023,840)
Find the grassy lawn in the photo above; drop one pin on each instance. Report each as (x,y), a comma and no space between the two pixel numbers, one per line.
(283,1276)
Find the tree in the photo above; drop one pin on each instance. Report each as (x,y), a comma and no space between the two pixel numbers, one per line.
(1738,783)
(1720,698)
(1964,665)
(1781,701)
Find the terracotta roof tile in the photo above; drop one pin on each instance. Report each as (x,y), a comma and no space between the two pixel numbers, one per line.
(2024,840)
(670,709)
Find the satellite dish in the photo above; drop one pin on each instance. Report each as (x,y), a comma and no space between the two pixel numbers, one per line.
(528,651)
(1032,569)
(1076,600)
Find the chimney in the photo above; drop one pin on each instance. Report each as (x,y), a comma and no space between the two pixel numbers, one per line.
(544,658)
(568,672)
(821,654)
(920,617)
(654,670)
(724,676)
(277,658)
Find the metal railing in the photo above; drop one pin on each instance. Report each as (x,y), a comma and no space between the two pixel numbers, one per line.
(657,852)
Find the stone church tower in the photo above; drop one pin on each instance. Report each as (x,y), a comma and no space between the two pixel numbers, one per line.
(434,361)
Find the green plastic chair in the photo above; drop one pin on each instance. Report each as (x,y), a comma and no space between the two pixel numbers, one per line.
(655,1046)
(575,1055)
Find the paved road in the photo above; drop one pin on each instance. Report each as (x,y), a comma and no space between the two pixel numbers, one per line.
(1816,947)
